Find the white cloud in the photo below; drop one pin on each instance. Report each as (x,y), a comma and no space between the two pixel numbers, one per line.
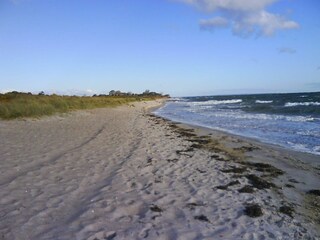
(243,16)
(230,5)
(268,23)
(71,92)
(3,91)
(211,24)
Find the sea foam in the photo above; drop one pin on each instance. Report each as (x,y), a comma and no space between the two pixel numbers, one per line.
(294,104)
(260,101)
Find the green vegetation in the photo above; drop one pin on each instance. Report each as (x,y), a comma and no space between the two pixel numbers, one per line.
(18,105)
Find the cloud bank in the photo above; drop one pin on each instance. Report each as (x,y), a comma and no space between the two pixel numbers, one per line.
(245,17)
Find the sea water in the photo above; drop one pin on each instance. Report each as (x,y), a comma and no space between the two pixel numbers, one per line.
(290,120)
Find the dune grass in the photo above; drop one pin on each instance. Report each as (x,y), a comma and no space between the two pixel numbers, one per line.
(21,105)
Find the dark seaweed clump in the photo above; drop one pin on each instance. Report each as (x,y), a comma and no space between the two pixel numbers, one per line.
(253,210)
(246,189)
(266,168)
(259,183)
(192,206)
(185,132)
(218,158)
(155,208)
(225,187)
(286,210)
(315,192)
(202,218)
(247,148)
(235,170)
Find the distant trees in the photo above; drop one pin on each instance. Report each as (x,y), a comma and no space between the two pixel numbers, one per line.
(111,93)
(117,93)
(145,93)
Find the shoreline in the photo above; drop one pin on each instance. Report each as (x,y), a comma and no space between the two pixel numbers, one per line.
(313,160)
(123,173)
(295,164)
(257,132)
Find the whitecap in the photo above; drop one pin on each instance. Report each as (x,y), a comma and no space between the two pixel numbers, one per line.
(294,104)
(217,102)
(260,101)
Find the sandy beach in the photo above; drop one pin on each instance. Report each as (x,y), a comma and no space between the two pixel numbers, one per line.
(123,173)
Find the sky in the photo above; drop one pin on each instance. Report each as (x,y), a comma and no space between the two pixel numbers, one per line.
(177,47)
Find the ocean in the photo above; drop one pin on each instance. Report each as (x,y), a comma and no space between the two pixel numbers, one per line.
(291,120)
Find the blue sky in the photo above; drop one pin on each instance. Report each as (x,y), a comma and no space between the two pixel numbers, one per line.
(180,47)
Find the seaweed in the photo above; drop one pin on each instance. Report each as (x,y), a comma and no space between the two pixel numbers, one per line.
(286,210)
(247,148)
(225,187)
(155,208)
(246,189)
(201,218)
(173,160)
(200,171)
(235,170)
(315,192)
(222,187)
(292,180)
(253,210)
(185,132)
(192,206)
(218,158)
(266,168)
(259,183)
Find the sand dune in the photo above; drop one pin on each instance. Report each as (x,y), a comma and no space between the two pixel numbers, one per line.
(122,174)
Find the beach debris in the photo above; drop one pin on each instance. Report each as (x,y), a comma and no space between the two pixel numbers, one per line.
(155,208)
(192,206)
(286,210)
(200,171)
(185,152)
(158,179)
(149,160)
(292,180)
(202,218)
(266,168)
(235,170)
(246,189)
(173,160)
(247,148)
(200,140)
(315,192)
(253,210)
(259,183)
(110,235)
(222,187)
(218,158)
(195,146)
(225,187)
(185,132)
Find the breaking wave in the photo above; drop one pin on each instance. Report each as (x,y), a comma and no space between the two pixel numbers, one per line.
(217,102)
(294,104)
(260,101)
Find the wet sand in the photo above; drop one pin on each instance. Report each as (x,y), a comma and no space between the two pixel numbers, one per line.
(122,173)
